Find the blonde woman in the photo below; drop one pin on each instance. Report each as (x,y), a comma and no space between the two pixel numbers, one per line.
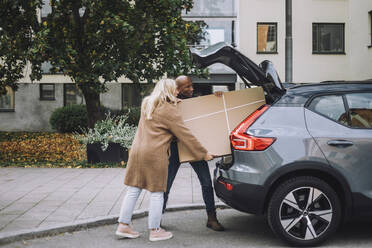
(148,160)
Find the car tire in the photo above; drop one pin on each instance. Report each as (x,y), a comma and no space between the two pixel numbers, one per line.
(304,211)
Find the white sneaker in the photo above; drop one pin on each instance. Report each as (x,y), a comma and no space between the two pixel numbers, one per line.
(124,231)
(159,234)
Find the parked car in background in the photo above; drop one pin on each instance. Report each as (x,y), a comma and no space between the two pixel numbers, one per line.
(304,158)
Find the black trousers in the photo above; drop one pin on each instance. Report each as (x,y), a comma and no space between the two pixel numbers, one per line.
(201,169)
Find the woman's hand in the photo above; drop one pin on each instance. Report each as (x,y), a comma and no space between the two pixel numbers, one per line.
(208,156)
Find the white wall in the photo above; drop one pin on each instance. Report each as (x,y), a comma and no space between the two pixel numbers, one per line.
(308,67)
(252,11)
(32,114)
(360,38)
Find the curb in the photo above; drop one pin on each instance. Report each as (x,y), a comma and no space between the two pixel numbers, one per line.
(9,237)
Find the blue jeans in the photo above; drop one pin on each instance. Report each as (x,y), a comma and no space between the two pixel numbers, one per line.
(201,169)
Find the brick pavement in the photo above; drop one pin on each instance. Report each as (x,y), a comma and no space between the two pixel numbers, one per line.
(32,198)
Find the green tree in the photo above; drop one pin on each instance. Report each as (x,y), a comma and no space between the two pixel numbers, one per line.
(18,20)
(97,41)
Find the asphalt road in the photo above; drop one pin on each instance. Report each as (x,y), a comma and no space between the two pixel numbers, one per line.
(189,230)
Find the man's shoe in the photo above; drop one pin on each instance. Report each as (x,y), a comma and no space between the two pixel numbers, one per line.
(124,231)
(213,223)
(159,234)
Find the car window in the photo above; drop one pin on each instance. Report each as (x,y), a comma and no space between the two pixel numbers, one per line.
(330,106)
(360,107)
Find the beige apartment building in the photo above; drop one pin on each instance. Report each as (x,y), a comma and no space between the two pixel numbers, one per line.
(332,39)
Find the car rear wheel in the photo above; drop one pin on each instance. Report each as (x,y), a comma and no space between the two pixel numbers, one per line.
(304,211)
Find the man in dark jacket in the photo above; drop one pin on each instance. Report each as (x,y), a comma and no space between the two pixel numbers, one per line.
(185,88)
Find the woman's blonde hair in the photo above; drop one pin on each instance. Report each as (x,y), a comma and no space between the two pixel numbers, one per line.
(163,92)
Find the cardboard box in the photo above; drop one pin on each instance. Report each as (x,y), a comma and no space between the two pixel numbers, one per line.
(211,119)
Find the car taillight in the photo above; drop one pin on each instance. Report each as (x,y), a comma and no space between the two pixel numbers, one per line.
(242,141)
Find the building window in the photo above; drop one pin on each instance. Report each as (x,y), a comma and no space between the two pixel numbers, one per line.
(328,38)
(220,17)
(130,97)
(218,30)
(7,101)
(72,95)
(267,38)
(47,92)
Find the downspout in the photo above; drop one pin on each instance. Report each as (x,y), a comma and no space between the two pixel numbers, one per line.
(288,42)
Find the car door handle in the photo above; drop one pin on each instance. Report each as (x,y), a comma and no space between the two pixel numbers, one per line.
(342,143)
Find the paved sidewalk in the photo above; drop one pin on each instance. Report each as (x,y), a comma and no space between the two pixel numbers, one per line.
(42,198)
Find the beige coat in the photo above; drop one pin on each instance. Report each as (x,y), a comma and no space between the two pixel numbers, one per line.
(147,166)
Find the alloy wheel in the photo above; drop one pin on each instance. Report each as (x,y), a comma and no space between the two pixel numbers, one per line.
(305,213)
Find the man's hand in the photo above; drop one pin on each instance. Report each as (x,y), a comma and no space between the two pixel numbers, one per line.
(218,93)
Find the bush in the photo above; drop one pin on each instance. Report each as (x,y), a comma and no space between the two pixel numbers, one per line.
(111,129)
(69,119)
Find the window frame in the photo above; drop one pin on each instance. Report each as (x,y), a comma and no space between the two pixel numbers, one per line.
(123,85)
(43,98)
(132,98)
(327,52)
(346,105)
(64,94)
(276,37)
(211,17)
(12,102)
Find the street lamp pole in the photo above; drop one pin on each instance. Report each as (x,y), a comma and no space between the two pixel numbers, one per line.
(288,42)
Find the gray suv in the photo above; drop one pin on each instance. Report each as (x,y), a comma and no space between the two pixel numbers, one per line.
(304,159)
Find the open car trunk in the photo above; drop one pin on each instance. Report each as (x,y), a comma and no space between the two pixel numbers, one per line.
(263,75)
